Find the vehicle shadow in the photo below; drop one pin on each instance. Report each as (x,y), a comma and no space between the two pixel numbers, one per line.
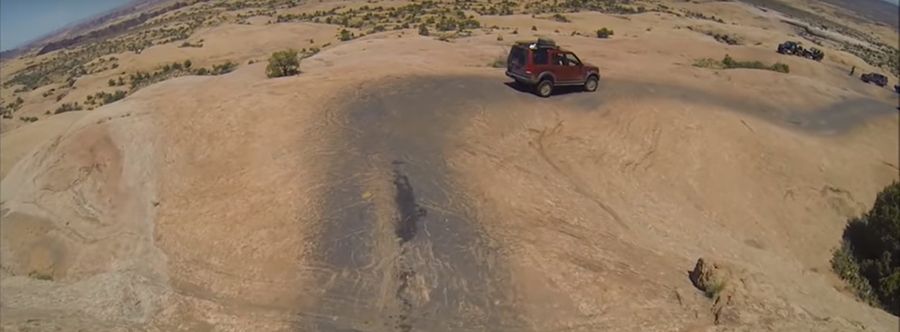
(559,90)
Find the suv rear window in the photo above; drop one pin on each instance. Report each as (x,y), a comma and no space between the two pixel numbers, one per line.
(517,56)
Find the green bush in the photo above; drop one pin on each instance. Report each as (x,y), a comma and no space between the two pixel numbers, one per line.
(109,98)
(223,68)
(67,107)
(604,33)
(423,30)
(346,35)
(730,63)
(283,63)
(843,263)
(869,259)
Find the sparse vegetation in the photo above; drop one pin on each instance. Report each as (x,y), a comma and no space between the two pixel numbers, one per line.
(141,79)
(198,44)
(40,275)
(702,16)
(729,63)
(714,289)
(869,257)
(283,63)
(723,38)
(345,35)
(103,98)
(7,110)
(604,33)
(68,107)
(561,18)
(499,61)
(423,30)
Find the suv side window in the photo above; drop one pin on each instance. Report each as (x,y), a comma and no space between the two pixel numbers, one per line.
(540,56)
(572,60)
(559,59)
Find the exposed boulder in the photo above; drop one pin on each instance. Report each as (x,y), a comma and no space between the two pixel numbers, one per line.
(715,280)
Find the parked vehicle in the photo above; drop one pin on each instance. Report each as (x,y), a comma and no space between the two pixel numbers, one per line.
(874,78)
(794,48)
(543,65)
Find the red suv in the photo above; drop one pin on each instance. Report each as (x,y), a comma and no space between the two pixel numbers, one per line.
(543,65)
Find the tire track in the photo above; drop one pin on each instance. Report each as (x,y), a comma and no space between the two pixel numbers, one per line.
(392,264)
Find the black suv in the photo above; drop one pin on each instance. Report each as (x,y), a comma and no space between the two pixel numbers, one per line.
(874,78)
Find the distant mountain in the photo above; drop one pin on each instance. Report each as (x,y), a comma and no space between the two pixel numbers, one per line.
(884,11)
(74,31)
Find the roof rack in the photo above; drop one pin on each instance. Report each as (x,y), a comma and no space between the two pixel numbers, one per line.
(540,43)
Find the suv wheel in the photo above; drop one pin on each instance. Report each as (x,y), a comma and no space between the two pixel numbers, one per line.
(591,84)
(544,88)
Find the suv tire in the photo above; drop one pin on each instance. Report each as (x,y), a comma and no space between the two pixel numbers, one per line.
(544,88)
(591,84)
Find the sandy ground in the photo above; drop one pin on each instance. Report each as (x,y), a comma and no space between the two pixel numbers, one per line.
(420,191)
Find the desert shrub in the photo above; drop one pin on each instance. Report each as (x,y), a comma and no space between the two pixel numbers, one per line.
(345,35)
(111,82)
(869,259)
(499,62)
(499,37)
(708,63)
(112,97)
(781,67)
(283,63)
(604,33)
(533,28)
(223,68)
(714,289)
(843,263)
(423,30)
(67,107)
(40,275)
(28,118)
(561,18)
(730,63)
(446,24)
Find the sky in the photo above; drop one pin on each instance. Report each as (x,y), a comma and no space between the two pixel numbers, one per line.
(24,20)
